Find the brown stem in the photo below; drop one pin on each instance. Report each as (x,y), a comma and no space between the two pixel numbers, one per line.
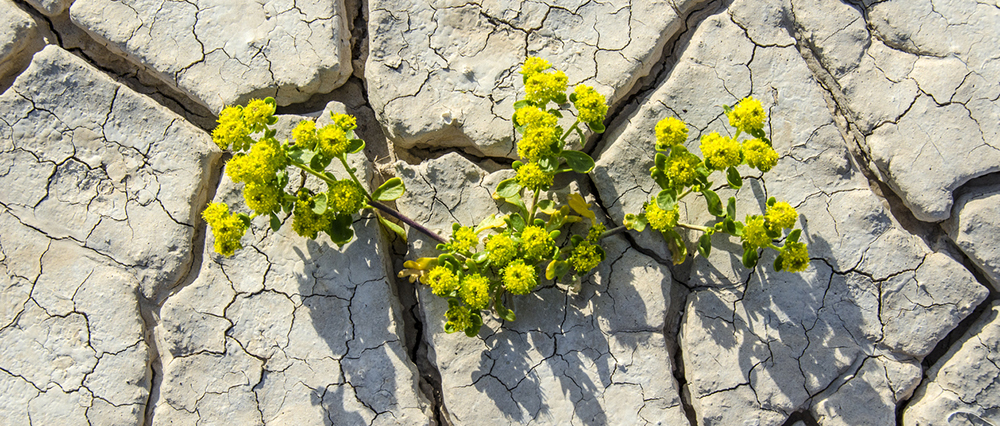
(413,224)
(613,231)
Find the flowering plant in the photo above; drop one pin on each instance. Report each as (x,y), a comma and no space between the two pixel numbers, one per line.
(512,253)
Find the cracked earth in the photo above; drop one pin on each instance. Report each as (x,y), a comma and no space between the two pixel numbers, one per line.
(115,310)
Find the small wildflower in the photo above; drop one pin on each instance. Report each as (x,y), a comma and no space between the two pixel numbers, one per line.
(720,152)
(681,167)
(755,233)
(345,122)
(257,113)
(532,116)
(345,196)
(534,65)
(659,219)
(458,318)
(262,198)
(585,256)
(781,216)
(232,130)
(670,132)
(794,257)
(536,242)
(501,249)
(595,232)
(747,115)
(464,239)
(305,221)
(332,141)
(759,155)
(532,176)
(305,134)
(226,228)
(591,105)
(442,281)
(541,88)
(538,142)
(475,291)
(265,158)
(519,278)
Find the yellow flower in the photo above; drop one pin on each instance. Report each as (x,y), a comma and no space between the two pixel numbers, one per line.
(534,65)
(232,130)
(305,134)
(759,155)
(595,232)
(458,318)
(257,113)
(441,280)
(747,115)
(584,257)
(794,257)
(755,233)
(532,116)
(345,196)
(501,249)
(305,221)
(538,142)
(537,243)
(519,278)
(670,132)
(682,167)
(332,141)
(659,219)
(781,216)
(262,198)
(464,238)
(541,88)
(532,176)
(345,122)
(265,158)
(591,105)
(226,228)
(720,152)
(475,291)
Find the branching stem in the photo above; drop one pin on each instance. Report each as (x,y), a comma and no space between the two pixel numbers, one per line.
(403,218)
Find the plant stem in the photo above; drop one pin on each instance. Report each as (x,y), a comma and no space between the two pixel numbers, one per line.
(569,130)
(693,227)
(534,204)
(308,169)
(413,224)
(613,231)
(343,160)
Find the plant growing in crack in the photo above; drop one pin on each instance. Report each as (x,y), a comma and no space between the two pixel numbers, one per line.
(510,253)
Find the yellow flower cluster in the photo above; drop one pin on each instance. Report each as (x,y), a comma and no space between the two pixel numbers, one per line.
(755,233)
(659,219)
(747,115)
(781,216)
(536,242)
(595,232)
(682,167)
(305,221)
(232,130)
(584,257)
(345,196)
(305,134)
(794,257)
(541,87)
(501,249)
(257,113)
(591,105)
(532,176)
(262,198)
(332,141)
(265,158)
(519,278)
(345,122)
(670,132)
(458,318)
(442,281)
(532,116)
(464,239)
(475,291)
(720,152)
(227,228)
(760,155)
(538,142)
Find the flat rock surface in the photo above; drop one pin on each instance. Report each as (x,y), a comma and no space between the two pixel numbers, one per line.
(223,52)
(973,227)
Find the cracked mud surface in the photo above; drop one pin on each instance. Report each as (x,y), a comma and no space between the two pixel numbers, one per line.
(115,310)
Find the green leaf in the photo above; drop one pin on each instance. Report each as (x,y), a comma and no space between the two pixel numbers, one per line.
(270,132)
(319,162)
(749,257)
(556,113)
(793,237)
(729,226)
(579,161)
(731,208)
(714,203)
(757,133)
(502,311)
(661,161)
(733,178)
(340,229)
(390,190)
(660,178)
(515,222)
(678,250)
(556,269)
(275,223)
(771,201)
(581,207)
(244,218)
(270,101)
(521,104)
(394,228)
(705,244)
(560,98)
(355,145)
(635,222)
(477,324)
(508,188)
(728,109)
(319,204)
(490,222)
(666,199)
(548,163)
(597,127)
(778,264)
(547,206)
(299,155)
